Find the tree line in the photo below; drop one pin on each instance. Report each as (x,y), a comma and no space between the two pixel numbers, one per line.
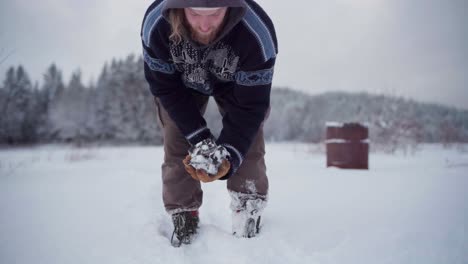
(119,108)
(393,122)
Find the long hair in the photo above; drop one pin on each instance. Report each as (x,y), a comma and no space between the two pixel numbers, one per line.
(177,21)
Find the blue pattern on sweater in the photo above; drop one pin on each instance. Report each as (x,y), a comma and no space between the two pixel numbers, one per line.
(157,64)
(255,24)
(150,23)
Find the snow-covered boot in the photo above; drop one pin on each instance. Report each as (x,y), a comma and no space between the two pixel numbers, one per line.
(246,214)
(245,224)
(185,227)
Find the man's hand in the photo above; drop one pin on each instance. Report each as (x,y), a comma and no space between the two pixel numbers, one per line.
(202,175)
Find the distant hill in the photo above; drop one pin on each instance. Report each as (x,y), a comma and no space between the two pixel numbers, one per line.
(392,121)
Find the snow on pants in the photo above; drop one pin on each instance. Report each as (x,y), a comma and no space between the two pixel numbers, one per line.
(180,191)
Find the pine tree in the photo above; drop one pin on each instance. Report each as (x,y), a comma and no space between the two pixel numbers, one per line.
(68,114)
(16,110)
(125,108)
(102,103)
(52,88)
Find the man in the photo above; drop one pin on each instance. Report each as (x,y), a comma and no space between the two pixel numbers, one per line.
(194,49)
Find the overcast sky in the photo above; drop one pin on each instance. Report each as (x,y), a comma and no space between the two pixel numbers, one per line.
(412,48)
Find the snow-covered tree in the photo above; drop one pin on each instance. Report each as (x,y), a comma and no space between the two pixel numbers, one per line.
(69,113)
(52,88)
(125,108)
(16,116)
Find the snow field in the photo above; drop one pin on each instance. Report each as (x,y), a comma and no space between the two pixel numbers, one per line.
(59,204)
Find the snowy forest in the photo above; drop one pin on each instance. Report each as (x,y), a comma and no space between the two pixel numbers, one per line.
(118,108)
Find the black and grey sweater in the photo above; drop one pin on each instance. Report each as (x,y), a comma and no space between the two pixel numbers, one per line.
(237,67)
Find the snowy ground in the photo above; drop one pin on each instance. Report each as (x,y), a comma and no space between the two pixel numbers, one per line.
(103,205)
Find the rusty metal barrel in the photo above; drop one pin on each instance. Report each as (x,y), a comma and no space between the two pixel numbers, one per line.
(347,145)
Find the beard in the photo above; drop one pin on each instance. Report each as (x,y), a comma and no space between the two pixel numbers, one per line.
(205,38)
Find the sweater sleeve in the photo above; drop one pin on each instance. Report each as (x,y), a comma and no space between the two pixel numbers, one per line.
(166,84)
(246,109)
(248,102)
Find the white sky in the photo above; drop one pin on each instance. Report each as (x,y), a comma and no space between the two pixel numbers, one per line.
(411,48)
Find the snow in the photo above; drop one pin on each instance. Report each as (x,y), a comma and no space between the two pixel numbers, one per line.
(341,141)
(337,141)
(333,124)
(60,204)
(207,156)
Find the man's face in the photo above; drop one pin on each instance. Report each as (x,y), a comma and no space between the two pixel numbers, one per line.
(205,24)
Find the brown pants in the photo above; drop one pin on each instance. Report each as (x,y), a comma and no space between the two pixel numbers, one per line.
(180,191)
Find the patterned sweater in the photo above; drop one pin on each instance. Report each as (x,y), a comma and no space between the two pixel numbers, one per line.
(237,67)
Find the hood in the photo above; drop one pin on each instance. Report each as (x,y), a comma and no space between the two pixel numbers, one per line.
(203,3)
(237,9)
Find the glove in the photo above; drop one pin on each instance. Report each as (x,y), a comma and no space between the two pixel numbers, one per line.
(202,175)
